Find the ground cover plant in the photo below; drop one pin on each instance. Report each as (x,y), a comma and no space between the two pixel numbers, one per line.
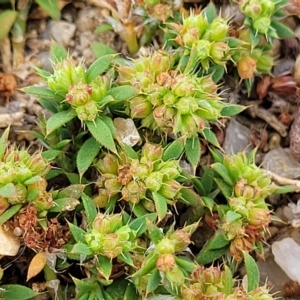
(109,218)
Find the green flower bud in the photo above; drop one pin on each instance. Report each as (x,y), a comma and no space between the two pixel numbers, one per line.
(87,111)
(152,152)
(101,199)
(219,52)
(99,87)
(217,30)
(154,181)
(253,9)
(161,62)
(22,173)
(38,165)
(169,99)
(203,49)
(259,217)
(170,169)
(134,191)
(113,186)
(181,240)
(190,36)
(262,25)
(246,67)
(260,293)
(170,189)
(93,240)
(140,107)
(19,196)
(111,246)
(186,105)
(108,164)
(148,205)
(79,94)
(43,201)
(107,223)
(165,246)
(268,7)
(166,263)
(199,22)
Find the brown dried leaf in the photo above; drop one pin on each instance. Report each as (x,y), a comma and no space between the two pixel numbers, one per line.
(36,265)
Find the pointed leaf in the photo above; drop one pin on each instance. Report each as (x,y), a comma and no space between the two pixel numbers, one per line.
(122,93)
(36,265)
(153,281)
(208,256)
(16,292)
(283,32)
(82,248)
(57,52)
(218,241)
(51,7)
(9,213)
(40,92)
(98,67)
(78,233)
(210,12)
(50,155)
(189,197)
(160,205)
(232,216)
(102,134)
(104,266)
(222,171)
(100,49)
(7,19)
(64,204)
(231,110)
(86,155)
(139,224)
(8,190)
(224,187)
(126,258)
(89,208)
(228,281)
(174,150)
(193,151)
(58,120)
(252,271)
(210,137)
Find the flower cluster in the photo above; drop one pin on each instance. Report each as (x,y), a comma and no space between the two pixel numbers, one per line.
(71,83)
(21,180)
(109,237)
(137,179)
(170,101)
(247,215)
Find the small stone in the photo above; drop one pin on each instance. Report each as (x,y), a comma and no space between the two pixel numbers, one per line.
(127,131)
(62,32)
(287,255)
(9,243)
(237,138)
(281,162)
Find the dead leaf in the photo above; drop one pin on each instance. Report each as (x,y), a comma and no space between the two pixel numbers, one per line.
(36,265)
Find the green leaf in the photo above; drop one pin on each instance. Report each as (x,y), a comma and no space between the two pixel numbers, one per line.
(7,19)
(252,271)
(40,92)
(49,104)
(3,142)
(102,134)
(231,110)
(16,292)
(185,264)
(153,281)
(122,93)
(173,150)
(9,213)
(110,124)
(210,137)
(149,265)
(193,151)
(130,293)
(155,233)
(129,152)
(224,187)
(222,171)
(57,52)
(78,233)
(98,67)
(217,73)
(139,224)
(104,266)
(50,155)
(64,204)
(210,12)
(103,28)
(160,205)
(51,7)
(207,180)
(207,256)
(89,208)
(58,120)
(283,32)
(284,189)
(228,281)
(254,37)
(189,197)
(126,258)
(86,155)
(218,241)
(82,248)
(100,49)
